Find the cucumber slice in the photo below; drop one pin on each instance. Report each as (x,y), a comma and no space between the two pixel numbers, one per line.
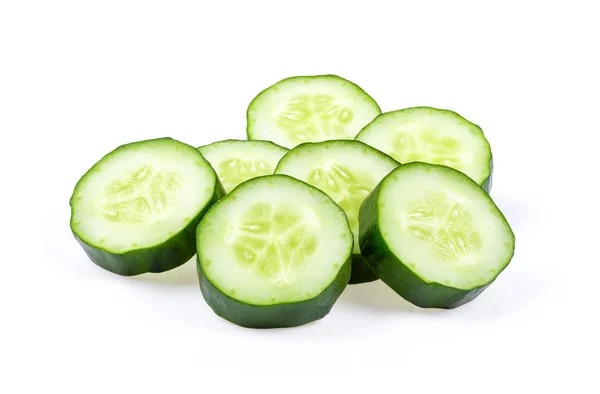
(309,109)
(347,171)
(136,210)
(275,252)
(435,136)
(236,161)
(434,236)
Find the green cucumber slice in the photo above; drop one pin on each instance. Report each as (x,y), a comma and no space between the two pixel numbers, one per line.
(236,161)
(136,210)
(435,136)
(275,252)
(309,109)
(347,171)
(434,236)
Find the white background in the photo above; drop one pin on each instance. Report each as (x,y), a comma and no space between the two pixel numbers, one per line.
(78,78)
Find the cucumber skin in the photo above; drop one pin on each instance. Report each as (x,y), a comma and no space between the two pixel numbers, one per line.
(487,184)
(398,276)
(361,273)
(273,316)
(172,253)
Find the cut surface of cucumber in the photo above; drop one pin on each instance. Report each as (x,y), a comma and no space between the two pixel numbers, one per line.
(136,209)
(309,109)
(435,136)
(236,161)
(434,236)
(347,171)
(275,252)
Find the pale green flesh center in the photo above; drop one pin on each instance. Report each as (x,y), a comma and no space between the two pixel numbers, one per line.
(141,195)
(444,224)
(273,241)
(308,118)
(426,146)
(347,188)
(234,171)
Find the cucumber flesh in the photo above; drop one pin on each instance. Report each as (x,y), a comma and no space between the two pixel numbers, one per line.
(136,209)
(347,171)
(433,136)
(272,251)
(434,236)
(309,109)
(236,161)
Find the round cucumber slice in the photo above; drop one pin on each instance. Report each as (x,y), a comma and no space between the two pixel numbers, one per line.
(347,171)
(275,252)
(309,109)
(434,236)
(136,210)
(236,161)
(435,136)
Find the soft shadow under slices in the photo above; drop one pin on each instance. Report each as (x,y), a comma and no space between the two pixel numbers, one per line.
(183,275)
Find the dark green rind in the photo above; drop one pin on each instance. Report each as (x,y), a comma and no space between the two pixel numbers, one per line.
(172,253)
(249,121)
(273,316)
(361,273)
(290,314)
(486,184)
(395,274)
(398,276)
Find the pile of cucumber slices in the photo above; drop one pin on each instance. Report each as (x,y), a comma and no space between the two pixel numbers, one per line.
(326,191)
